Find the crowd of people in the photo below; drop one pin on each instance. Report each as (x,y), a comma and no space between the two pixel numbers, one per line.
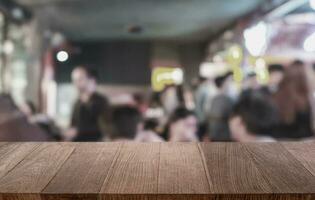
(214,109)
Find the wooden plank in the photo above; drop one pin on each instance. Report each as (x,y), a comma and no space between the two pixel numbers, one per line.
(235,197)
(13,153)
(84,172)
(20,197)
(3,143)
(182,170)
(231,170)
(284,173)
(34,172)
(304,152)
(135,171)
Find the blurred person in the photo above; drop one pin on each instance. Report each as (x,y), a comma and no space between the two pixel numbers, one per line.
(204,94)
(140,102)
(148,132)
(253,118)
(182,126)
(171,98)
(41,120)
(155,111)
(221,108)
(14,125)
(127,124)
(276,73)
(292,100)
(89,110)
(250,81)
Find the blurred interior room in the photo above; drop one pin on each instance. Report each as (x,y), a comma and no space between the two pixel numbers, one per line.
(153,71)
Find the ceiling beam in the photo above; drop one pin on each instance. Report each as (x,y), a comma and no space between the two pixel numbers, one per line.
(284,9)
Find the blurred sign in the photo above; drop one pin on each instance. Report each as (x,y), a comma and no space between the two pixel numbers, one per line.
(212,70)
(163,76)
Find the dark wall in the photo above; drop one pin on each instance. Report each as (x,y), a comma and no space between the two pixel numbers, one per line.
(115,62)
(191,56)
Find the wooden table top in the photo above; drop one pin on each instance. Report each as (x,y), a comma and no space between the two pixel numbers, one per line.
(157,171)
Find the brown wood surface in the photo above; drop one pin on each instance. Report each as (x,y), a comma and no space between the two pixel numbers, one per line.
(119,171)
(182,170)
(305,153)
(84,172)
(33,173)
(135,171)
(284,173)
(231,170)
(13,153)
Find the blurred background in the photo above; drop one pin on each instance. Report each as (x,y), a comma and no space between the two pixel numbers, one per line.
(153,71)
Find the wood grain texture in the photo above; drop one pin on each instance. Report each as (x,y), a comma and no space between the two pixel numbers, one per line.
(304,152)
(34,172)
(84,172)
(182,170)
(20,197)
(284,173)
(13,153)
(232,170)
(158,171)
(135,171)
(235,197)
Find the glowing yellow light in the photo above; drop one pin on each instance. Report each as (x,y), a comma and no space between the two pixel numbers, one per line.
(261,71)
(235,58)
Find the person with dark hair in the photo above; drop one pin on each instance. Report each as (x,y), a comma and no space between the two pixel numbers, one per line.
(252,118)
(276,73)
(126,121)
(221,107)
(90,110)
(148,132)
(182,126)
(250,81)
(292,101)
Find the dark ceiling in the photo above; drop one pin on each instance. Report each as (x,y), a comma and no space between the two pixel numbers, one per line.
(159,19)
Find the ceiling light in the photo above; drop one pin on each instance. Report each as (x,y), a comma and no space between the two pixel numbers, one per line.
(256,39)
(62,56)
(17,13)
(8,47)
(309,43)
(312,4)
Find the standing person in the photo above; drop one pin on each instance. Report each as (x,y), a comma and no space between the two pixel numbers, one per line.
(221,108)
(204,94)
(276,73)
(171,98)
(89,110)
(292,101)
